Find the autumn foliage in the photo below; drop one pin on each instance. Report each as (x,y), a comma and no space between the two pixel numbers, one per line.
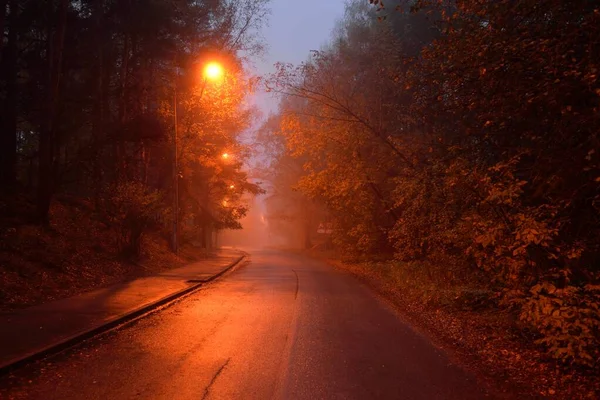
(464,135)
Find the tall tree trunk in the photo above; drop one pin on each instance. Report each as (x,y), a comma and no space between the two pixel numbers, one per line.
(30,175)
(208,233)
(203,243)
(134,244)
(144,102)
(3,4)
(54,54)
(98,110)
(8,136)
(145,162)
(307,240)
(306,225)
(124,76)
(119,142)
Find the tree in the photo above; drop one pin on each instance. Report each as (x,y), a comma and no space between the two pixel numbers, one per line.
(291,215)
(8,144)
(87,94)
(464,136)
(348,113)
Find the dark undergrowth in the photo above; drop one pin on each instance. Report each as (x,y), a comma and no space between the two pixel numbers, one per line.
(78,252)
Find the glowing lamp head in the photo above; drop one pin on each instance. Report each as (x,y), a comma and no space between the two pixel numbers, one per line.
(225,156)
(213,71)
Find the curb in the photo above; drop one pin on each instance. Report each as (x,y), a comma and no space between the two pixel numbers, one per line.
(77,338)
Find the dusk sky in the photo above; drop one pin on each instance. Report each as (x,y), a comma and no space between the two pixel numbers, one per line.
(295,28)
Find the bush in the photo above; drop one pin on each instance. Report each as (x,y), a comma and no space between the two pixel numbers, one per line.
(129,208)
(567,320)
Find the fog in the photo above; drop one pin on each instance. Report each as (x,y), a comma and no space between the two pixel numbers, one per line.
(264,227)
(254,233)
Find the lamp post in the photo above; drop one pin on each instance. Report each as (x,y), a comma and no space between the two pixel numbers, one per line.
(175,242)
(212,71)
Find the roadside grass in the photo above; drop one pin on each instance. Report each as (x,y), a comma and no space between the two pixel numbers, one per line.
(433,288)
(462,314)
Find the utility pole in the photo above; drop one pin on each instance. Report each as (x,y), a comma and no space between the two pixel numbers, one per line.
(175,243)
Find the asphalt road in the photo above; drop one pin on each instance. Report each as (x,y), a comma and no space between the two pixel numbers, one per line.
(281,327)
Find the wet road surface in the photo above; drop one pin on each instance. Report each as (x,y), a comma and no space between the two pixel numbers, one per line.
(280,327)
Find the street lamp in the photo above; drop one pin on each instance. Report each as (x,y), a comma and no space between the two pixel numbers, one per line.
(212,71)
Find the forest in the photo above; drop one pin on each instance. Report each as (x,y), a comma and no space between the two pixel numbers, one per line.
(454,145)
(111,129)
(448,149)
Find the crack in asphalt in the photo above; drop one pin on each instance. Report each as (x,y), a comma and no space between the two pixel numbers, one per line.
(214,378)
(297,284)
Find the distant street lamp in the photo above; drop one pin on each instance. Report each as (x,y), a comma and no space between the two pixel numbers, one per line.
(212,71)
(225,156)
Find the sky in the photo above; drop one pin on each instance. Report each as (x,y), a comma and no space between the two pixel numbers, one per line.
(296,27)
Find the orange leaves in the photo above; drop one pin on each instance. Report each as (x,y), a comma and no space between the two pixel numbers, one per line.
(568,319)
(496,114)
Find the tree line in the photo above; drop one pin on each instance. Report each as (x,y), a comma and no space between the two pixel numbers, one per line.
(91,92)
(462,136)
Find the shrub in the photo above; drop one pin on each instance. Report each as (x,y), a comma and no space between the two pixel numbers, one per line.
(129,208)
(567,320)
